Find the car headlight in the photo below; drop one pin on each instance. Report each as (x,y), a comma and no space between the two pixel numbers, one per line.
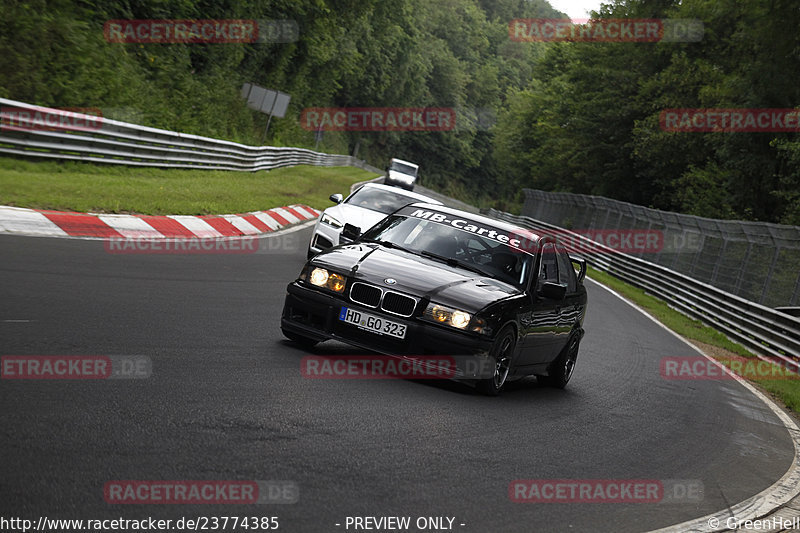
(329,220)
(319,277)
(447,315)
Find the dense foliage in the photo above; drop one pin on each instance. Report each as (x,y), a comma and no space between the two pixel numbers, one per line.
(579,117)
(589,121)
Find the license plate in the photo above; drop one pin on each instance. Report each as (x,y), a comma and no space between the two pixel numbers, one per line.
(372,323)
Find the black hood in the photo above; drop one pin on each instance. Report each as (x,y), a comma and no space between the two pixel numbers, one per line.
(416,275)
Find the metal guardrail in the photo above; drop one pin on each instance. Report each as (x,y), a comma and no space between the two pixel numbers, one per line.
(123,143)
(755,260)
(768,333)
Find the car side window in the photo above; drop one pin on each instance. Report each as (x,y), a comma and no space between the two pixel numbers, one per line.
(548,268)
(566,273)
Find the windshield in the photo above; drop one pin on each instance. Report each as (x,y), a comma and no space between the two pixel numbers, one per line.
(462,248)
(403,169)
(379,200)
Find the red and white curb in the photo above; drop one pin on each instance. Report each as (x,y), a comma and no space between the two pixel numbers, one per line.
(38,222)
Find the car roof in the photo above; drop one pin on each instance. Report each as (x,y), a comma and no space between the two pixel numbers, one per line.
(481,219)
(420,197)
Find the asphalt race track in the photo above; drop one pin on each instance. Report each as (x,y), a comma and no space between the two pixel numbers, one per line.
(226,401)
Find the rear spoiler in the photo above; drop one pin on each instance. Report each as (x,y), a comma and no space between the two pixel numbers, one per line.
(582,263)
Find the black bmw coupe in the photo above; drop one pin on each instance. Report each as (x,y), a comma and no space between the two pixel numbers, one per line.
(429,280)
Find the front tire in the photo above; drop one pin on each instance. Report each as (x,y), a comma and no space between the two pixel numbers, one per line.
(502,351)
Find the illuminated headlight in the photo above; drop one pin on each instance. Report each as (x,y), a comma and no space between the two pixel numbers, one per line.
(329,220)
(447,315)
(320,277)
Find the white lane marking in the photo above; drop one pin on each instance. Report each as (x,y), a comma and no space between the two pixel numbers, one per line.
(27,221)
(241,224)
(198,226)
(285,214)
(130,226)
(766,501)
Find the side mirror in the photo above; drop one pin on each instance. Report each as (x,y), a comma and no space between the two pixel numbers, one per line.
(582,265)
(351,232)
(554,291)
(336,198)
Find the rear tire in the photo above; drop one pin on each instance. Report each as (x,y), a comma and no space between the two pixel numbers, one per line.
(502,351)
(562,367)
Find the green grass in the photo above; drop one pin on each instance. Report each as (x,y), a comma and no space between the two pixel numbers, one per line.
(786,391)
(86,187)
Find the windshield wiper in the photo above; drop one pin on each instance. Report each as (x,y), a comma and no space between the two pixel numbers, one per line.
(456,262)
(390,244)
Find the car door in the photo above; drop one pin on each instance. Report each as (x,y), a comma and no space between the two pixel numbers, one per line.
(571,306)
(542,325)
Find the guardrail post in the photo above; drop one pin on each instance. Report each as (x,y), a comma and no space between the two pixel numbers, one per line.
(796,293)
(718,261)
(769,275)
(738,287)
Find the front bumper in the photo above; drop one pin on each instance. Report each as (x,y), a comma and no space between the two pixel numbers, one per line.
(315,315)
(400,180)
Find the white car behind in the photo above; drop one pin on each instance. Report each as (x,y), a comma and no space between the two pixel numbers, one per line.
(364,208)
(401,174)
